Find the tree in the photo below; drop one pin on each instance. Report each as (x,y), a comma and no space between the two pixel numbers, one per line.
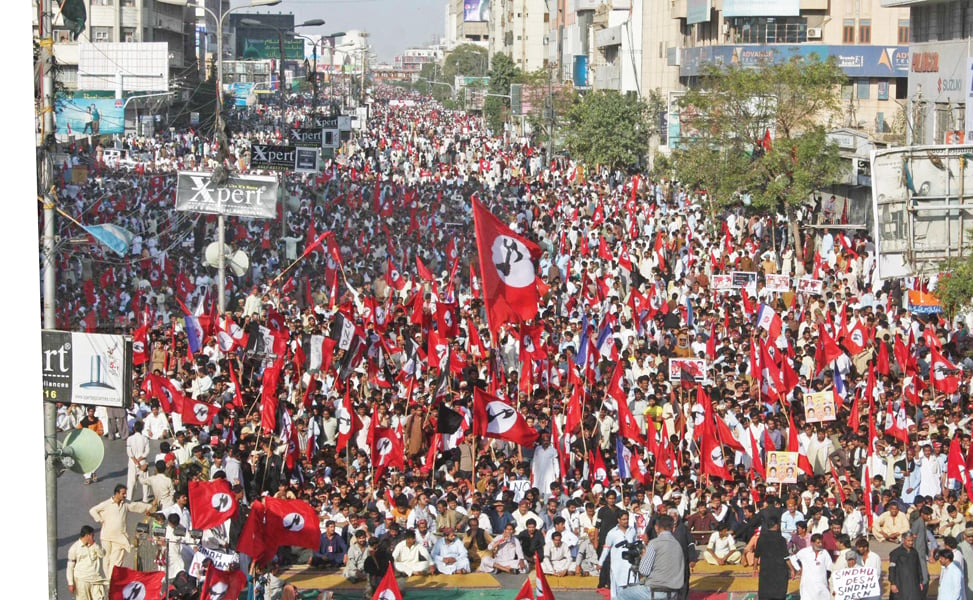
(760,132)
(503,72)
(607,128)
(468,60)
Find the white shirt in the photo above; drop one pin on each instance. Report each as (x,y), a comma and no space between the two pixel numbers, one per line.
(814,567)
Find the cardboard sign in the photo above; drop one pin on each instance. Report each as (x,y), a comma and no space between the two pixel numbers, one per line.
(807,285)
(856,583)
(695,369)
(723,282)
(781,467)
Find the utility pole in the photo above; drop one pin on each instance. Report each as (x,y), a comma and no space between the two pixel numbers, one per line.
(46,36)
(550,99)
(364,66)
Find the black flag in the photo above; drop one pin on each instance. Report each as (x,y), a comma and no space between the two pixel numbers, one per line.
(448,420)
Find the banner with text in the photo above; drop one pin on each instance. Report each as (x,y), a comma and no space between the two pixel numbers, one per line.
(86,368)
(253,196)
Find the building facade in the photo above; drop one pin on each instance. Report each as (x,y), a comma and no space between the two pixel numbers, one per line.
(520,29)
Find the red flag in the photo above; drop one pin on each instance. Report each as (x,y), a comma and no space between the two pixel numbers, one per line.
(712,459)
(129,584)
(867,485)
(211,503)
(627,426)
(506,264)
(894,426)
(956,465)
(711,343)
(292,523)
(223,585)
(572,413)
(314,241)
(348,422)
(140,345)
(447,319)
(603,251)
(827,350)
(237,395)
(599,473)
(421,271)
(494,418)
(793,445)
(253,535)
(388,587)
(387,449)
(944,374)
(160,388)
(837,484)
(882,362)
(196,412)
(393,278)
(526,591)
(758,465)
(542,591)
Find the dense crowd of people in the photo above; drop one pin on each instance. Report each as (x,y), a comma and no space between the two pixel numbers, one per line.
(671,375)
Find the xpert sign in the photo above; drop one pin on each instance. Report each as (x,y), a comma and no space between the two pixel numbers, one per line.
(253,196)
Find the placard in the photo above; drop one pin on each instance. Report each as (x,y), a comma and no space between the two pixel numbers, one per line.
(777,283)
(722,282)
(856,583)
(695,368)
(744,279)
(781,467)
(819,407)
(806,285)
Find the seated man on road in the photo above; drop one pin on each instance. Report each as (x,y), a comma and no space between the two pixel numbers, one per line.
(354,570)
(721,549)
(557,557)
(508,556)
(450,554)
(410,558)
(333,551)
(891,524)
(586,562)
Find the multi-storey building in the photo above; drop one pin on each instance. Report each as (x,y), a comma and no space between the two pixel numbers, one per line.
(520,29)
(467,23)
(939,69)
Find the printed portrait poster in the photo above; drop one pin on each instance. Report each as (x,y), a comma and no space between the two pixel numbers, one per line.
(744,279)
(807,285)
(694,369)
(819,407)
(722,282)
(781,467)
(856,583)
(778,283)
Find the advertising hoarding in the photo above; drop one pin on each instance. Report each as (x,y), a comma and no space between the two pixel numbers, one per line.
(475,11)
(81,114)
(269,156)
(86,368)
(761,8)
(307,137)
(253,196)
(259,49)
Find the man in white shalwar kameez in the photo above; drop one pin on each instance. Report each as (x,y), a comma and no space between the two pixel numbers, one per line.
(544,466)
(621,569)
(411,558)
(450,555)
(813,562)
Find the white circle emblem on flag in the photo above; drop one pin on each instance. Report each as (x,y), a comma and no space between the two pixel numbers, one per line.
(138,347)
(222,502)
(344,420)
(394,275)
(384,446)
(512,261)
(387,595)
(134,591)
(857,337)
(500,417)
(218,590)
(717,456)
(293,522)
(939,370)
(528,343)
(448,318)
(201,411)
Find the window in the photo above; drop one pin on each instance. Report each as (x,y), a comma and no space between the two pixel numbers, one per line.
(848,32)
(128,34)
(862,85)
(846,91)
(905,27)
(865,31)
(901,89)
(101,34)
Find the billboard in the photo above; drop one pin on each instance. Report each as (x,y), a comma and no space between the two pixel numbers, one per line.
(761,8)
(126,67)
(86,368)
(307,137)
(253,196)
(307,160)
(260,49)
(920,206)
(698,11)
(855,61)
(80,115)
(476,11)
(269,156)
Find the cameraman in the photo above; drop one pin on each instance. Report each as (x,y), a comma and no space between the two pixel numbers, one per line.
(662,567)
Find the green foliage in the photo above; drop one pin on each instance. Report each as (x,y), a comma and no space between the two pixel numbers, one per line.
(502,73)
(726,118)
(955,286)
(468,60)
(607,128)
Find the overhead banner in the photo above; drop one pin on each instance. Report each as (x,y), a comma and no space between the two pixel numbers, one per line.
(84,115)
(308,137)
(86,368)
(268,156)
(253,196)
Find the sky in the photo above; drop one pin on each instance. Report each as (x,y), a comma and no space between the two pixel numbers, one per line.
(393,25)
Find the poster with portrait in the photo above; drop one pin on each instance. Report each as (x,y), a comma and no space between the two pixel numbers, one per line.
(819,407)
(744,279)
(806,285)
(781,467)
(722,283)
(778,283)
(687,368)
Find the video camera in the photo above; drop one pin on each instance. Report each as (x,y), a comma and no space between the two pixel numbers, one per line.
(632,551)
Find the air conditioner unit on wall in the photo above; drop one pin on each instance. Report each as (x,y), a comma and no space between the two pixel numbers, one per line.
(814,33)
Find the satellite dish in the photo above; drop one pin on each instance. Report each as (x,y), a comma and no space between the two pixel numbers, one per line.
(82,451)
(211,256)
(238,262)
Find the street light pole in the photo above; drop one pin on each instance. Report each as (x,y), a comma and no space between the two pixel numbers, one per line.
(219,133)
